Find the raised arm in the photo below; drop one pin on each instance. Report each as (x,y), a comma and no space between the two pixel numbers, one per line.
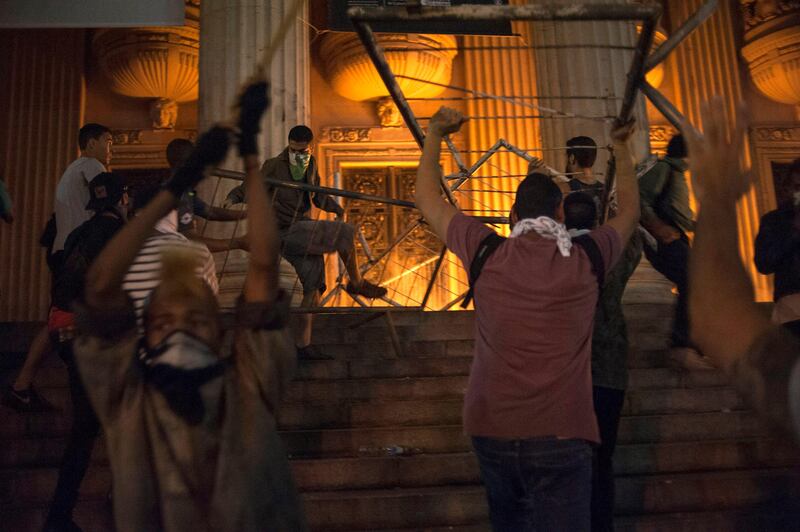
(627,217)
(428,196)
(725,320)
(104,280)
(261,282)
(726,323)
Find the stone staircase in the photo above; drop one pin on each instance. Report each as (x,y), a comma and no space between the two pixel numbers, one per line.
(376,443)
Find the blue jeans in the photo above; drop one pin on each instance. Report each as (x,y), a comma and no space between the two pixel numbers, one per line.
(539,484)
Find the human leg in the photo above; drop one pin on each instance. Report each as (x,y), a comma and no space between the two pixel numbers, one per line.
(77,454)
(558,483)
(20,395)
(308,237)
(505,490)
(608,404)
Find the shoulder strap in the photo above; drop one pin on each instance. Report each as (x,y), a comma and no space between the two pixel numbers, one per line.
(588,245)
(487,246)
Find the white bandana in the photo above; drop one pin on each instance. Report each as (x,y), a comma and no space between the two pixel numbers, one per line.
(546,228)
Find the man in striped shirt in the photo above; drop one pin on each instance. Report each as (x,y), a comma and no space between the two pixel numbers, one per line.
(144,274)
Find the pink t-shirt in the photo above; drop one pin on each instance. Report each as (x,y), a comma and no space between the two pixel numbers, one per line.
(531,374)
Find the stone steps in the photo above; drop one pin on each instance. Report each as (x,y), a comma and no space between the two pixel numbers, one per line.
(54,375)
(690,457)
(460,499)
(44,447)
(386,404)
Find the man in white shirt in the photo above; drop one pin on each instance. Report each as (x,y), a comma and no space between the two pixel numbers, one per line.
(72,195)
(72,192)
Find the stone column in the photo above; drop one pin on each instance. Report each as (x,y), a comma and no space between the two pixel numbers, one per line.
(565,73)
(501,69)
(707,65)
(233,37)
(41,108)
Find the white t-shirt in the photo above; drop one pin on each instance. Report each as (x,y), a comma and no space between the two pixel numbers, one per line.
(72,195)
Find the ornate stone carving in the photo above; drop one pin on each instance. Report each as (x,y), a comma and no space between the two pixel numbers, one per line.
(159,63)
(772,48)
(388,113)
(757,12)
(661,134)
(164,113)
(423,57)
(130,136)
(777,134)
(347,134)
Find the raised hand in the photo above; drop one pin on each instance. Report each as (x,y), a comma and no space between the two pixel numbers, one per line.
(715,157)
(253,103)
(535,164)
(210,151)
(446,121)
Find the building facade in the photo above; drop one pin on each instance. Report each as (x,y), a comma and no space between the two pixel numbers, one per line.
(151,85)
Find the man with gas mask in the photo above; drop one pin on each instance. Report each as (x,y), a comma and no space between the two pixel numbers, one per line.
(305,241)
(189,411)
(109,201)
(778,251)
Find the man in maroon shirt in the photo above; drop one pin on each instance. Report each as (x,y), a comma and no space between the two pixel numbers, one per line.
(528,406)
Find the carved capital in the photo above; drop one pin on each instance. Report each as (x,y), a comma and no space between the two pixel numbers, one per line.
(777,134)
(661,134)
(127,136)
(346,134)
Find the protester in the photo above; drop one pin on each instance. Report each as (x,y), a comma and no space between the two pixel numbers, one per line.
(609,356)
(191,428)
(579,174)
(529,397)
(778,251)
(109,202)
(144,273)
(667,216)
(191,206)
(305,241)
(71,197)
(762,359)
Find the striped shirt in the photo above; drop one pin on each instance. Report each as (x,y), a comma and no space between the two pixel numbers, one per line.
(145,273)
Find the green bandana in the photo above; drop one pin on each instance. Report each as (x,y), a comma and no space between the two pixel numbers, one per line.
(298,171)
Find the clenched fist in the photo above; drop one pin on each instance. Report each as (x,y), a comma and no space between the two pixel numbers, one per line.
(445,122)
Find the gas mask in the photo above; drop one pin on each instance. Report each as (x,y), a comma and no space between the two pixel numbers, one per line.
(177,367)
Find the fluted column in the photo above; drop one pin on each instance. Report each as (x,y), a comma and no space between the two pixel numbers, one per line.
(707,65)
(233,37)
(498,67)
(564,73)
(41,109)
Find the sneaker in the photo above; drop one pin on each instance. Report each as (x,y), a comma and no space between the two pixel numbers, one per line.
(26,400)
(366,289)
(689,359)
(312,352)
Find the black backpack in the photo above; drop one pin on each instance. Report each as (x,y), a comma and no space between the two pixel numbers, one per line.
(492,241)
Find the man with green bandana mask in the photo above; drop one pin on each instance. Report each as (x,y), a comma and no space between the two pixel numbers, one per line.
(305,241)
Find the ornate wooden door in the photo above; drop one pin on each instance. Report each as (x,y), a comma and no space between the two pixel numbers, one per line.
(383,224)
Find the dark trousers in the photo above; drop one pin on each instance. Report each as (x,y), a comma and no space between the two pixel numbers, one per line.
(78,452)
(608,408)
(672,261)
(540,484)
